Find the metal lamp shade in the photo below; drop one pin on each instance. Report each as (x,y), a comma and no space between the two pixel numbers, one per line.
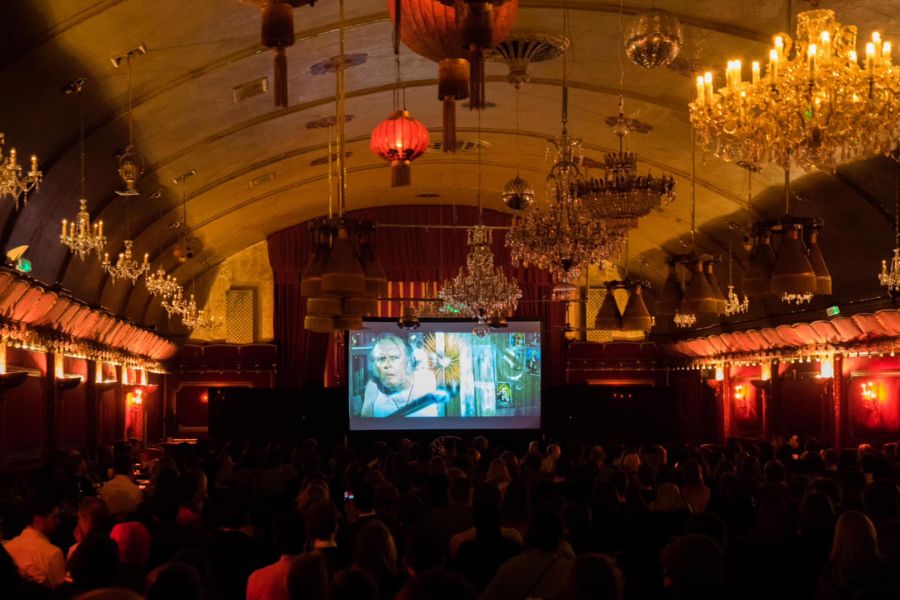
(793,273)
(823,277)
(311,279)
(757,279)
(669,300)
(636,316)
(699,298)
(343,275)
(716,289)
(608,316)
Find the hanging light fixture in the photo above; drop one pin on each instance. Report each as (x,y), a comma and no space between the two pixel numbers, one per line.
(563,238)
(174,304)
(439,31)
(608,316)
(131,163)
(734,305)
(654,39)
(194,318)
(889,278)
(669,301)
(823,277)
(409,319)
(519,50)
(820,102)
(517,195)
(793,277)
(81,236)
(709,269)
(636,317)
(399,139)
(622,196)
(13,182)
(126,266)
(342,280)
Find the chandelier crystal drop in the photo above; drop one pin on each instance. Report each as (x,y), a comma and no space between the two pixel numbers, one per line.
(481,289)
(818,103)
(15,182)
(81,236)
(622,196)
(126,267)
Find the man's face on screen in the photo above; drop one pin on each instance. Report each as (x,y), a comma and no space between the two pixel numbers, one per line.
(390,365)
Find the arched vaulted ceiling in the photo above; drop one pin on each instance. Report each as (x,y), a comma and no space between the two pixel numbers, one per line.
(253,161)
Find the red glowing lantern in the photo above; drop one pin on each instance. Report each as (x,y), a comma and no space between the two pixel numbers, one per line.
(399,139)
(454,34)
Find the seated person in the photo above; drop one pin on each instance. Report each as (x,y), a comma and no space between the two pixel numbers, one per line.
(396,382)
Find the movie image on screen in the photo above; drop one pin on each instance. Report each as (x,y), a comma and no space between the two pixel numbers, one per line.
(443,376)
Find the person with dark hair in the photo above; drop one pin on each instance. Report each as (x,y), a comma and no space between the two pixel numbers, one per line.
(307,578)
(854,563)
(456,515)
(593,577)
(288,535)
(437,585)
(94,559)
(121,494)
(693,568)
(376,553)
(881,502)
(36,558)
(233,553)
(174,581)
(395,381)
(322,524)
(424,550)
(541,569)
(354,584)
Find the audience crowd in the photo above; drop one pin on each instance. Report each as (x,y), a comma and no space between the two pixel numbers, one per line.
(456,519)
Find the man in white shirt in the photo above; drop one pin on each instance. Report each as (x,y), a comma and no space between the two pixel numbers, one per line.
(36,558)
(120,493)
(396,382)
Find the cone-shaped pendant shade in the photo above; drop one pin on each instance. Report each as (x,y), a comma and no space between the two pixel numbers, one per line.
(669,300)
(608,316)
(343,274)
(793,273)
(823,277)
(376,279)
(757,279)
(698,296)
(636,316)
(311,280)
(716,289)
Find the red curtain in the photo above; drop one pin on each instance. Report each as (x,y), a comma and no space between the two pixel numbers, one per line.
(417,251)
(301,353)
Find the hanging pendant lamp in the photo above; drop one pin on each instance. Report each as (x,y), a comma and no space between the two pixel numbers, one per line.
(636,316)
(343,275)
(311,279)
(608,316)
(793,275)
(716,289)
(400,139)
(699,298)
(757,279)
(670,296)
(823,277)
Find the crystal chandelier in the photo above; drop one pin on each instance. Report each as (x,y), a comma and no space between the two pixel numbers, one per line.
(563,237)
(654,39)
(734,305)
(194,318)
(622,196)
(817,104)
(481,290)
(889,278)
(126,267)
(685,320)
(161,284)
(12,181)
(797,298)
(81,236)
(174,304)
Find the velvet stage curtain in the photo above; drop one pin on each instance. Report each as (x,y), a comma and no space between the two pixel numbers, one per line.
(419,251)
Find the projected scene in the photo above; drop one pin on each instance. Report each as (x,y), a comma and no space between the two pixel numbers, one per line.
(442,376)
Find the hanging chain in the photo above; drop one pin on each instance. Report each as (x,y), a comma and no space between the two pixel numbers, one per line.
(130,116)
(693,187)
(81,134)
(896,207)
(341,115)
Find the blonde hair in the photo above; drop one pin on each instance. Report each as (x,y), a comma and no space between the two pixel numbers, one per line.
(855,543)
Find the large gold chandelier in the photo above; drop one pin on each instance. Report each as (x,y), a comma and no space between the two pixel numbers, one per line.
(622,196)
(563,237)
(818,103)
(126,266)
(13,182)
(481,290)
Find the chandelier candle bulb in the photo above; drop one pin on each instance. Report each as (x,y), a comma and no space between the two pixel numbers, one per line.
(700,90)
(755,71)
(63,233)
(707,88)
(773,66)
(870,58)
(876,40)
(825,39)
(886,53)
(779,48)
(811,54)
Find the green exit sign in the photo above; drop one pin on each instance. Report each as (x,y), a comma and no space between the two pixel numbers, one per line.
(832,311)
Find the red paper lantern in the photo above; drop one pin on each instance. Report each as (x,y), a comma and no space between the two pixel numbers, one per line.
(454,34)
(400,139)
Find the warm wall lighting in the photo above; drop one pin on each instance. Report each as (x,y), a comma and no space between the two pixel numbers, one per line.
(739,392)
(826,368)
(98,371)
(136,398)
(720,373)
(765,371)
(3,357)
(59,366)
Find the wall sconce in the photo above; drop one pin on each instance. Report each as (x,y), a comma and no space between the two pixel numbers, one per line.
(739,392)
(720,373)
(765,371)
(826,367)
(68,382)
(136,398)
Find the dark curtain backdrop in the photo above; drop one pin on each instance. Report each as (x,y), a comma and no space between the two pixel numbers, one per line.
(418,252)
